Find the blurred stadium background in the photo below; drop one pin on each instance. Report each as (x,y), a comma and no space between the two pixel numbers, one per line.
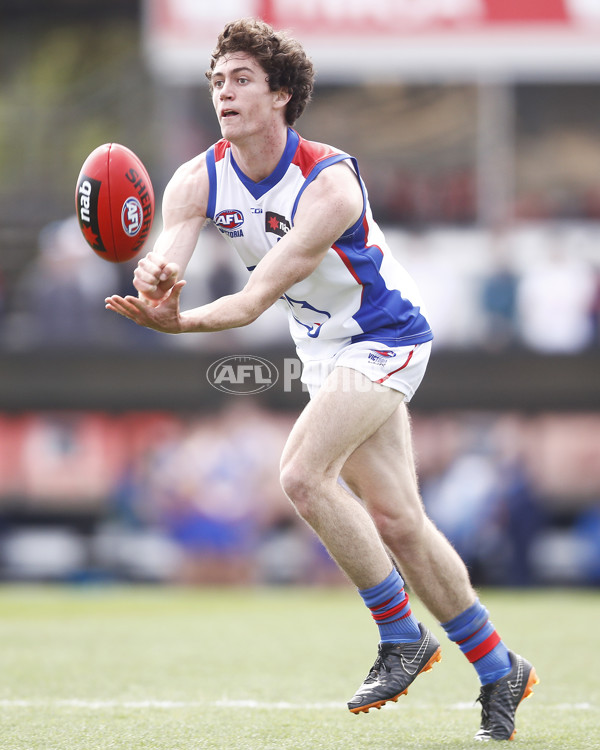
(476,124)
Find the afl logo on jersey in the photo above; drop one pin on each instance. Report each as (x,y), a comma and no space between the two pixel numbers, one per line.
(229,220)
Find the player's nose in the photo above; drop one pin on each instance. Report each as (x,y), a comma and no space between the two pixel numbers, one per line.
(225,92)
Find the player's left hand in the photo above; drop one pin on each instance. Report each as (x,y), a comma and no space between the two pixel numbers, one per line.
(163,316)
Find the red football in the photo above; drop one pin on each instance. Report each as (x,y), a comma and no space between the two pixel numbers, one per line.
(115,202)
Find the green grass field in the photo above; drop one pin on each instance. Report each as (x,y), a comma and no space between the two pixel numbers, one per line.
(132,668)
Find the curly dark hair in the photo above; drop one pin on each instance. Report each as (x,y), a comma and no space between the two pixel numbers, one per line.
(282,58)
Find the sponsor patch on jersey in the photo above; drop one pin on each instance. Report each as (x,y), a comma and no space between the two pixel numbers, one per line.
(277,224)
(229,220)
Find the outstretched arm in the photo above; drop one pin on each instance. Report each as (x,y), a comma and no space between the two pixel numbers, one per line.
(328,207)
(158,276)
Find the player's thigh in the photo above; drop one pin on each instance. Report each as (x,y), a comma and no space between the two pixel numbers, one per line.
(345,412)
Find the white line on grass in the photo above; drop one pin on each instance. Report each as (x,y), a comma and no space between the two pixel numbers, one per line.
(223,703)
(227,703)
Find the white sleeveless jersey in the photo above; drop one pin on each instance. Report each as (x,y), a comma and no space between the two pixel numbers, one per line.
(359,292)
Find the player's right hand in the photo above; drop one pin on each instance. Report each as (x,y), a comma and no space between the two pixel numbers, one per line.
(154,277)
(153,274)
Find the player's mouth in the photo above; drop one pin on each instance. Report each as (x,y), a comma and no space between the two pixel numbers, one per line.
(227,114)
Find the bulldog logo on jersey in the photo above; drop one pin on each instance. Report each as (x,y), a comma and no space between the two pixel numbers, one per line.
(277,224)
(308,316)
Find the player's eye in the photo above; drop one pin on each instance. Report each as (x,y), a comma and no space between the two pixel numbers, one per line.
(243,80)
(217,84)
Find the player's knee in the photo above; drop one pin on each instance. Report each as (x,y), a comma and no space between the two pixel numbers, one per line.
(295,481)
(299,484)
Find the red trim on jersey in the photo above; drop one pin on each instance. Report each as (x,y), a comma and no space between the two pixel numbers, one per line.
(310,153)
(484,648)
(221,148)
(346,261)
(365,224)
(389,375)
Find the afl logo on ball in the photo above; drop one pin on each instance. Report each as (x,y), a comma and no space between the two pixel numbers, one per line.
(132,216)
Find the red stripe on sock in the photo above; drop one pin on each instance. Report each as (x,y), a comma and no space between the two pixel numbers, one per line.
(484,648)
(391,612)
(464,640)
(380,606)
(408,614)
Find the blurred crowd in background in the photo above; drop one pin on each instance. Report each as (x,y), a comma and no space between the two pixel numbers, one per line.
(195,498)
(534,286)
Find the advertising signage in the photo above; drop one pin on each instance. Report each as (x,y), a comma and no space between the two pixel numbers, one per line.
(358,39)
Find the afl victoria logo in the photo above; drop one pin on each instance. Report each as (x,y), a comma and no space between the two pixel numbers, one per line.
(132,216)
(229,219)
(242,375)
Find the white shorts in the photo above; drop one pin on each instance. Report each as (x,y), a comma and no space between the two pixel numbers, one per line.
(401,368)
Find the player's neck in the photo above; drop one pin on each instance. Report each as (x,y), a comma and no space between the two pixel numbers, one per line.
(258,155)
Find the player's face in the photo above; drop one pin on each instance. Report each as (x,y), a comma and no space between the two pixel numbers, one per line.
(241,96)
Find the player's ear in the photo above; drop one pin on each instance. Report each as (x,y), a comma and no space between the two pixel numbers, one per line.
(282,97)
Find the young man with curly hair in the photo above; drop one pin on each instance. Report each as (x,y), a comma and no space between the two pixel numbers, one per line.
(298,214)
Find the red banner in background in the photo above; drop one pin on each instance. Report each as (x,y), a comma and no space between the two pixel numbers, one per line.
(353,38)
(387,16)
(527,11)
(392,16)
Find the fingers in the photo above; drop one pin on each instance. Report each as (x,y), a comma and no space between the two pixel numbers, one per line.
(161,316)
(169,271)
(147,271)
(152,271)
(176,290)
(130,307)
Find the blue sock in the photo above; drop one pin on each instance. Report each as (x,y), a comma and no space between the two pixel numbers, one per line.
(391,611)
(480,643)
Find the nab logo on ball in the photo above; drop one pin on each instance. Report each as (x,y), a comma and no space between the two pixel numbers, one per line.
(88,190)
(132,216)
(242,375)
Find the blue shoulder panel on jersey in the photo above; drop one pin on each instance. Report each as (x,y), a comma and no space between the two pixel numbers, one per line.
(258,189)
(212,183)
